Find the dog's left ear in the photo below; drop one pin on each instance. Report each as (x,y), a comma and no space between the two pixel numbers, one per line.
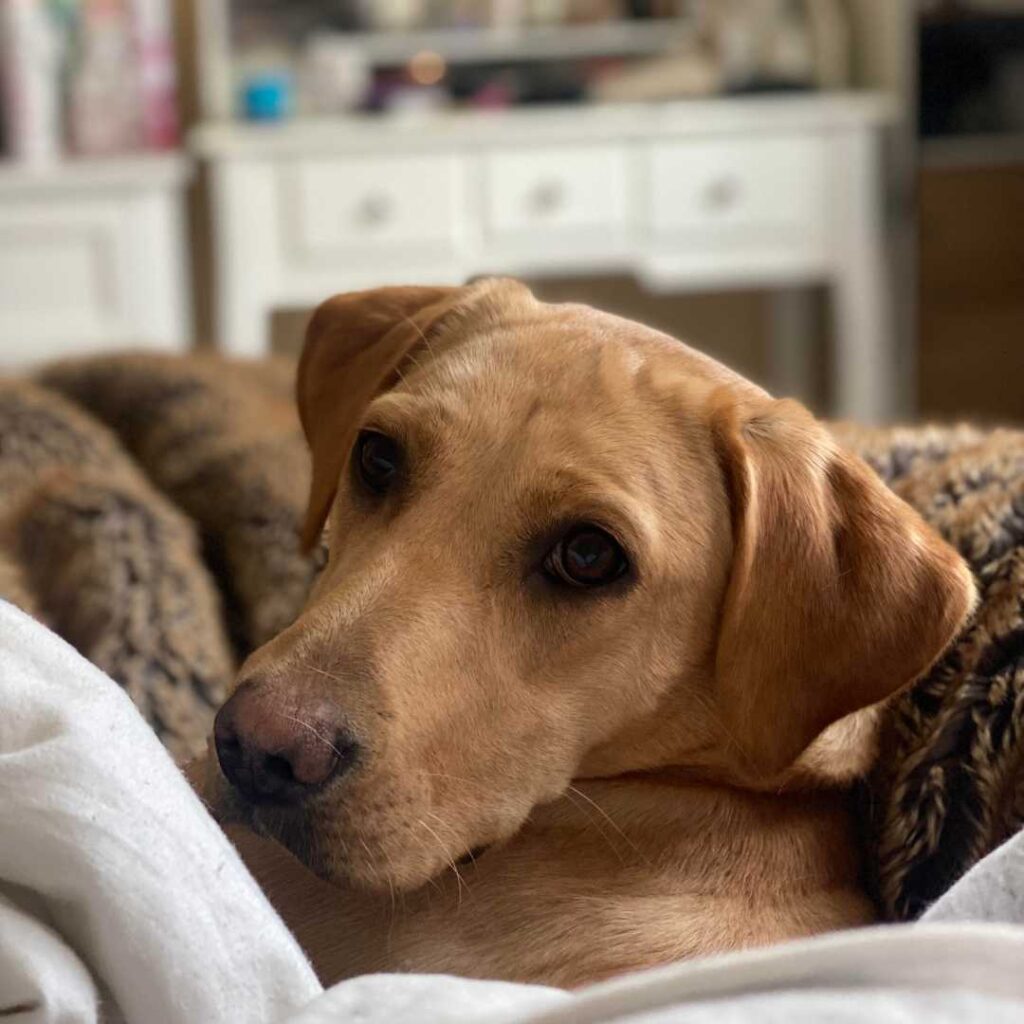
(355,346)
(840,594)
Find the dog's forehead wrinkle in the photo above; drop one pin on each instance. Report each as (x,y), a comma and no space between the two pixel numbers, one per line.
(500,402)
(467,380)
(634,360)
(562,348)
(525,436)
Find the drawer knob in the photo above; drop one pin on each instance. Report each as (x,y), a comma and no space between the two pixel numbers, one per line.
(547,197)
(374,210)
(722,194)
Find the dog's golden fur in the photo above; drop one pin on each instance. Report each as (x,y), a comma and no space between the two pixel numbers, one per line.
(656,770)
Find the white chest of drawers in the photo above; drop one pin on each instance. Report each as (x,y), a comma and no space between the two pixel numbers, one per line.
(92,256)
(774,192)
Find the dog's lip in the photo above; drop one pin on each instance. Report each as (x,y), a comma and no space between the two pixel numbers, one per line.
(292,831)
(473,855)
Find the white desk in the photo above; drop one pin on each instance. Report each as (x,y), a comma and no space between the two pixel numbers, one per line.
(92,256)
(774,192)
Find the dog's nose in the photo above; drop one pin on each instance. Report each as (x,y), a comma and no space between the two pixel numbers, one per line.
(273,755)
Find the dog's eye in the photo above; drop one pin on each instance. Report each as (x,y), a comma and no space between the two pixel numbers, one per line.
(377,461)
(586,557)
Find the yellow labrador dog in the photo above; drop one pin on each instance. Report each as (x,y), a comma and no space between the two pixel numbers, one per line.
(594,659)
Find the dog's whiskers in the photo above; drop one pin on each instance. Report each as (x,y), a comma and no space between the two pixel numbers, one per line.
(734,744)
(321,672)
(456,778)
(607,817)
(597,828)
(460,881)
(451,861)
(419,330)
(391,889)
(306,725)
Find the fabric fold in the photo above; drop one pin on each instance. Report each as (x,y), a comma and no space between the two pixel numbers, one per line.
(132,873)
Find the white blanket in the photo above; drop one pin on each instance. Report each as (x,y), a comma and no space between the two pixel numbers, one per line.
(114,876)
(120,899)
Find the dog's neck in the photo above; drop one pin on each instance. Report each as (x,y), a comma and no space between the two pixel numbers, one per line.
(836,760)
(650,868)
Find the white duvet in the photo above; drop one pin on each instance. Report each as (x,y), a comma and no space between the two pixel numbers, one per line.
(120,899)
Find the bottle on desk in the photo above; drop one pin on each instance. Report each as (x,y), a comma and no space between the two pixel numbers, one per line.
(30,55)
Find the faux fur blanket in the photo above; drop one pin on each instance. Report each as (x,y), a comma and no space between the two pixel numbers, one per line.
(149,513)
(949,784)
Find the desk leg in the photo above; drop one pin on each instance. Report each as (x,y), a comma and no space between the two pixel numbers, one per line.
(243,324)
(244,253)
(864,366)
(790,357)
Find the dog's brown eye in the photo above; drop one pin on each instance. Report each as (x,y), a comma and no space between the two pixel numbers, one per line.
(586,557)
(377,461)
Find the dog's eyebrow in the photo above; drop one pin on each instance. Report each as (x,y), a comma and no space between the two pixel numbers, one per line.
(573,496)
(406,409)
(394,405)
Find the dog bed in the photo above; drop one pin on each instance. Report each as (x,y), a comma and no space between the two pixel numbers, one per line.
(149,513)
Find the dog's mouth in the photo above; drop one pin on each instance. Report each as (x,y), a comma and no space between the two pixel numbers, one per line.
(472,856)
(294,831)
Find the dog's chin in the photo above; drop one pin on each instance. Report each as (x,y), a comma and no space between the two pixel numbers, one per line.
(287,827)
(383,872)
(292,829)
(295,832)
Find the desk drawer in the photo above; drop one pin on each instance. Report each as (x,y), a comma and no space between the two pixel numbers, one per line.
(556,190)
(354,203)
(740,183)
(81,272)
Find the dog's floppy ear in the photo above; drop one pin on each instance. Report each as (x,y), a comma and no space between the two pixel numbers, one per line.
(840,594)
(355,345)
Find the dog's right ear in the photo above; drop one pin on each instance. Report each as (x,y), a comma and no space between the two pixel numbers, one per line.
(840,594)
(355,346)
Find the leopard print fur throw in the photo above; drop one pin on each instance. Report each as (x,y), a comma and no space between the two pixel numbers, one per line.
(949,782)
(149,513)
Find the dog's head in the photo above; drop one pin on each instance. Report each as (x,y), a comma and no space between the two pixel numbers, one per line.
(560,545)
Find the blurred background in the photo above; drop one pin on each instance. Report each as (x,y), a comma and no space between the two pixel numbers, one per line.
(826,194)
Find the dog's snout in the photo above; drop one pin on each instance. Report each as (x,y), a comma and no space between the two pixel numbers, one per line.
(271,754)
